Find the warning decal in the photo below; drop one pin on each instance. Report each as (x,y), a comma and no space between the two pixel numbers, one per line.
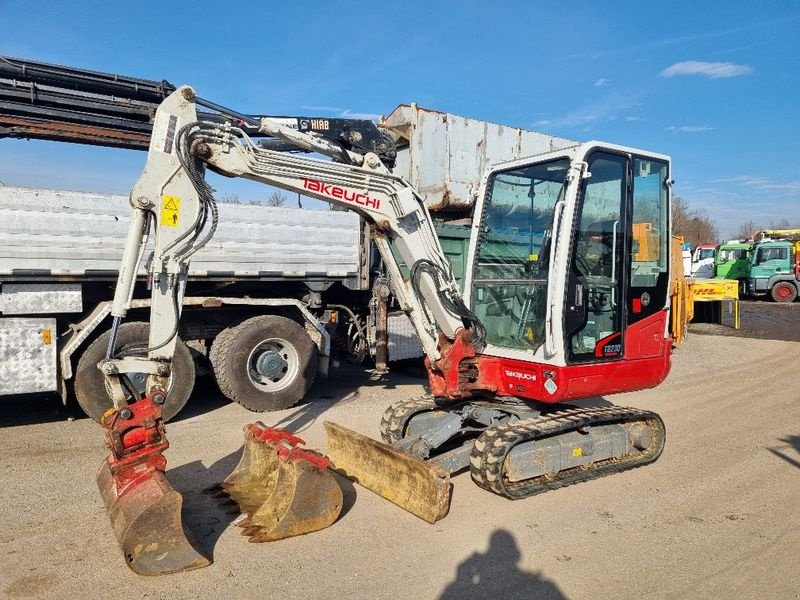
(170,207)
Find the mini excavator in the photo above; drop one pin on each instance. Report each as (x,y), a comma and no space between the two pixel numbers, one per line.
(559,306)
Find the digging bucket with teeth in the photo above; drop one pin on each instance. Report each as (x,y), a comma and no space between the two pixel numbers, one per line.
(282,490)
(144,509)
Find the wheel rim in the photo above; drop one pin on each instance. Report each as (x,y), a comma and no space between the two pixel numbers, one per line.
(784,292)
(273,365)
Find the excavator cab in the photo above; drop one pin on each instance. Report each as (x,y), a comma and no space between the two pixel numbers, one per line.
(555,277)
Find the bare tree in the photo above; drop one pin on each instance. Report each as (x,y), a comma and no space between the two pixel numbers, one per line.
(230,199)
(695,226)
(747,230)
(680,216)
(276,199)
(784,223)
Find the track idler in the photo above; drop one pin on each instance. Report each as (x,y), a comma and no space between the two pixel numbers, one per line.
(144,509)
(282,490)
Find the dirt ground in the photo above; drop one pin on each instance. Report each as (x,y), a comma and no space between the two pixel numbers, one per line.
(760,319)
(716,517)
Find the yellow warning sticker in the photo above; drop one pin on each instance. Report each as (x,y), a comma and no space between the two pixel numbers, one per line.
(577,452)
(170,207)
(47,337)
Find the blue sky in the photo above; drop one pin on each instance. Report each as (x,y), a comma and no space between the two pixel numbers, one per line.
(713,84)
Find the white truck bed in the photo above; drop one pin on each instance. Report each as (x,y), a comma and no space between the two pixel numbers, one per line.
(80,234)
(446,154)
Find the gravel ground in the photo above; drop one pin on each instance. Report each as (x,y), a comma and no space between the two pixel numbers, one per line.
(760,319)
(714,517)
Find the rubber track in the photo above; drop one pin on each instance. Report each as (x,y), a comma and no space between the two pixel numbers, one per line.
(491,448)
(395,418)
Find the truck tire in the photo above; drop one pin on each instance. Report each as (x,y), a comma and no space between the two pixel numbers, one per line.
(264,363)
(132,340)
(783,291)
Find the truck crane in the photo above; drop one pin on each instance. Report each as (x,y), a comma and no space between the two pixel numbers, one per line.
(558,308)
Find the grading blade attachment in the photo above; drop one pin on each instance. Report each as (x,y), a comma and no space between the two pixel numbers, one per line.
(282,489)
(421,488)
(144,509)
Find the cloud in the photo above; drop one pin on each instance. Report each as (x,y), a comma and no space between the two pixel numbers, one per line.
(344,113)
(731,201)
(607,108)
(348,114)
(713,70)
(684,39)
(690,128)
(601,82)
(763,183)
(327,109)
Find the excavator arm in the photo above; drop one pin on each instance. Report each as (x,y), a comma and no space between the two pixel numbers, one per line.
(172,201)
(173,196)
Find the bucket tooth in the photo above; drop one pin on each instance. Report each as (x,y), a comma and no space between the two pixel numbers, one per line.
(145,513)
(282,489)
(421,488)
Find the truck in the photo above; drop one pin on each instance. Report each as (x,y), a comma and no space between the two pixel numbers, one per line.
(703,260)
(732,261)
(775,265)
(59,257)
(60,250)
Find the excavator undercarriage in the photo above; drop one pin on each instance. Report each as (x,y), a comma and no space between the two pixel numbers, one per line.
(509,447)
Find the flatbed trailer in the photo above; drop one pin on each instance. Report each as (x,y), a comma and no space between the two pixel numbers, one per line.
(59,255)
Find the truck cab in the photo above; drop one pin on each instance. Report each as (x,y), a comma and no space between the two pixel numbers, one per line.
(732,261)
(703,261)
(775,270)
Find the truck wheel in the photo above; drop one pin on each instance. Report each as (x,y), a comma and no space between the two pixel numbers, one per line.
(264,363)
(783,292)
(132,340)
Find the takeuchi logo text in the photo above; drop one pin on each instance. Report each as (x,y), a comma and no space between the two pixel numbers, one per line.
(340,193)
(520,375)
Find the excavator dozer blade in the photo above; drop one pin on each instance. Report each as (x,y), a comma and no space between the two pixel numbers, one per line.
(282,489)
(145,513)
(421,488)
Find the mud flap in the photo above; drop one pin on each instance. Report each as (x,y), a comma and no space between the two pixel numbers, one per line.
(145,513)
(421,488)
(282,489)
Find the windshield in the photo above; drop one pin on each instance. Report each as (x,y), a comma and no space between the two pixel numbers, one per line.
(730,254)
(510,273)
(705,253)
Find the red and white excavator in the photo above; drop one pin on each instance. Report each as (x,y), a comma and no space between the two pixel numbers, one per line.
(557,308)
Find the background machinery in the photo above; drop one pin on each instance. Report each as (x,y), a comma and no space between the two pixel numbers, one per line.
(775,265)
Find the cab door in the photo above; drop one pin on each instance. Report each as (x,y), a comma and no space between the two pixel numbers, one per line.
(617,284)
